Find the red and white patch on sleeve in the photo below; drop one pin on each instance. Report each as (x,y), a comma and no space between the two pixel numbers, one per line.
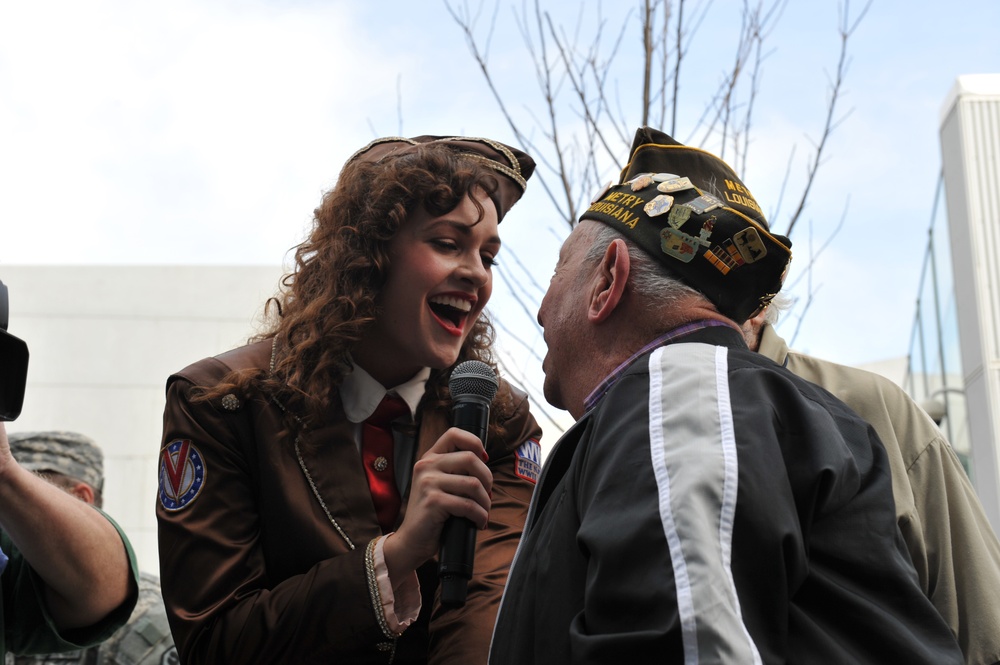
(182,474)
(528,460)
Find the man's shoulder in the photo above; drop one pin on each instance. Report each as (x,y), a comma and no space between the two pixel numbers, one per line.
(864,391)
(690,366)
(836,378)
(825,372)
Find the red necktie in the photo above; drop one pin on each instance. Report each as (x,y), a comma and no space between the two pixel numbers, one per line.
(376,454)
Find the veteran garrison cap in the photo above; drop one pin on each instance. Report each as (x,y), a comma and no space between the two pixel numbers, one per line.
(515,165)
(68,453)
(687,208)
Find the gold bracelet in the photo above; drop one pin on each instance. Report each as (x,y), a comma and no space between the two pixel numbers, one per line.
(376,596)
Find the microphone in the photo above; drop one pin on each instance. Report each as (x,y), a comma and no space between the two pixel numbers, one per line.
(473,384)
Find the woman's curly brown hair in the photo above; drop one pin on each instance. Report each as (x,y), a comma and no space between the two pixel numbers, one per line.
(329,300)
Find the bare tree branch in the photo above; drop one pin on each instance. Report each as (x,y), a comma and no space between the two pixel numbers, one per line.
(553,130)
(846,30)
(784,184)
(511,254)
(808,272)
(814,255)
(664,48)
(678,58)
(517,297)
(536,405)
(647,58)
(579,123)
(466,23)
(592,117)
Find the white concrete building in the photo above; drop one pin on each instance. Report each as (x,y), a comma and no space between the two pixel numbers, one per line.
(102,342)
(970,151)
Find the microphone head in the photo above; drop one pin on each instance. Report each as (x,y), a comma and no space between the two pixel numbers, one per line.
(473,378)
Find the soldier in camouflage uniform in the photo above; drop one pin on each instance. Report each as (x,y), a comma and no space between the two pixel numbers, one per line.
(75,463)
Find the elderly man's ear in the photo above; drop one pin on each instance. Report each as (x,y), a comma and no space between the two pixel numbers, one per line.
(752,326)
(607,284)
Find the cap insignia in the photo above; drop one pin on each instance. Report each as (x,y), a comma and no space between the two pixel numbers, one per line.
(663,177)
(641,181)
(674,185)
(750,245)
(678,215)
(704,203)
(659,205)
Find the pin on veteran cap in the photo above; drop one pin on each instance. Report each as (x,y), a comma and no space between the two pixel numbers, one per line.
(510,162)
(68,453)
(687,208)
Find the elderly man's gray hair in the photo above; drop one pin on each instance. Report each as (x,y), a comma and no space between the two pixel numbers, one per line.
(649,279)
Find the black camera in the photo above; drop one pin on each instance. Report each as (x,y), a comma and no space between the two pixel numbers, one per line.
(13,365)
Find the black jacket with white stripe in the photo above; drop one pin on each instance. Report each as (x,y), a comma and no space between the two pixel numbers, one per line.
(713,507)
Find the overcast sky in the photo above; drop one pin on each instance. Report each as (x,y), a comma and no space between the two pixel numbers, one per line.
(204,132)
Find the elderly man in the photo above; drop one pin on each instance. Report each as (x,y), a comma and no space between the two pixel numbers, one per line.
(707,505)
(74,463)
(66,570)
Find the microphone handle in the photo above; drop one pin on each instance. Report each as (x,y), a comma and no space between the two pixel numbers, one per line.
(458,537)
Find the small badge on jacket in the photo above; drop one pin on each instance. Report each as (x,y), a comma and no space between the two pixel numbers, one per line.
(528,460)
(182,474)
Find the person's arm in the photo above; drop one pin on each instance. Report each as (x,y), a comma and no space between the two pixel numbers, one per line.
(463,635)
(75,551)
(963,553)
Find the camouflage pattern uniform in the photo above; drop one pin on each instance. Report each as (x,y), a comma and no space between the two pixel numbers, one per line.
(67,453)
(145,639)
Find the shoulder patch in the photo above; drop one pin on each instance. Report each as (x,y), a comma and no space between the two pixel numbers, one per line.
(182,474)
(528,460)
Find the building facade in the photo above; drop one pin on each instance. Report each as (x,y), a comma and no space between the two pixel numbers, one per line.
(955,347)
(103,340)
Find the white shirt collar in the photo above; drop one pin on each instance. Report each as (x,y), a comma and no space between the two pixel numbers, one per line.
(361,393)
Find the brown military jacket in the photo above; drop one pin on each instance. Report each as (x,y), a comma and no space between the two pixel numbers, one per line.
(262,542)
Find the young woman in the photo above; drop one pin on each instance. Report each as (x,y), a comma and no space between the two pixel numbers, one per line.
(294,527)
